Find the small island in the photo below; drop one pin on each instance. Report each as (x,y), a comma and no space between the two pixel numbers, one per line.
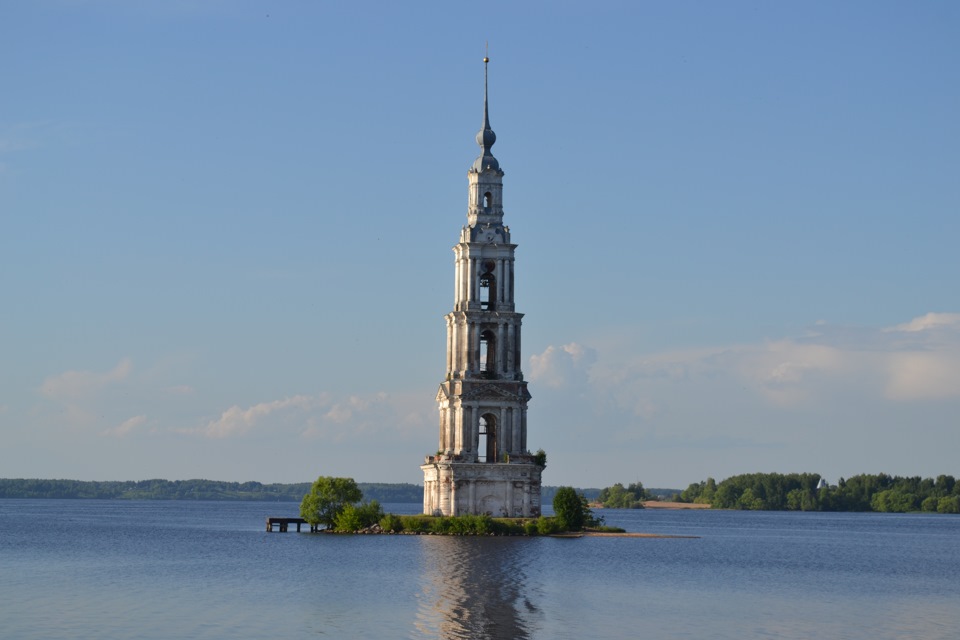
(336,505)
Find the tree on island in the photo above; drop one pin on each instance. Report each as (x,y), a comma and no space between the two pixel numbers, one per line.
(327,499)
(572,510)
(616,497)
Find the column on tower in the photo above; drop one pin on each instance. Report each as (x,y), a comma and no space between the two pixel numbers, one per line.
(457,338)
(466,292)
(523,429)
(475,431)
(451,333)
(464,280)
(467,281)
(467,355)
(501,269)
(516,347)
(466,427)
(501,347)
(457,280)
(443,429)
(505,431)
(460,345)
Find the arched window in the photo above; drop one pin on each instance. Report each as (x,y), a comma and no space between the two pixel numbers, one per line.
(487,445)
(488,288)
(487,200)
(488,353)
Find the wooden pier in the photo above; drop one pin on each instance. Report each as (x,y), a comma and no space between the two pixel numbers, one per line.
(283,523)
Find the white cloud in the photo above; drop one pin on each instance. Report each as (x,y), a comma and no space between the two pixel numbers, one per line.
(342,412)
(793,403)
(87,399)
(564,366)
(378,415)
(745,389)
(926,364)
(929,321)
(916,360)
(764,404)
(126,427)
(237,421)
(923,376)
(786,372)
(75,385)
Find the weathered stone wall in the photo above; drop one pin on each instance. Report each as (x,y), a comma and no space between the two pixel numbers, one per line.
(499,490)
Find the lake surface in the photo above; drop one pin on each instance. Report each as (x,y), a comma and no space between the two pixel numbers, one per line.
(159,570)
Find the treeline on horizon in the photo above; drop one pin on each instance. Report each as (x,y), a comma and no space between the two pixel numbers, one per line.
(752,491)
(798,492)
(214,490)
(190,490)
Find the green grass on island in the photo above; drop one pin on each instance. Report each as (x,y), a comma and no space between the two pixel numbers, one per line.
(337,505)
(471,525)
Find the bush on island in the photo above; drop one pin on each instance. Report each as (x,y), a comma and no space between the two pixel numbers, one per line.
(572,510)
(357,517)
(391,523)
(327,498)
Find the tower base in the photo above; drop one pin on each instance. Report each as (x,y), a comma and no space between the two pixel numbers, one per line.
(501,490)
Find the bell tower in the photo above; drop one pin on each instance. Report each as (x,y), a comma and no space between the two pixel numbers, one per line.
(483,464)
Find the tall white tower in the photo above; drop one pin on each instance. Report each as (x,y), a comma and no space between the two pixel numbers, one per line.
(483,464)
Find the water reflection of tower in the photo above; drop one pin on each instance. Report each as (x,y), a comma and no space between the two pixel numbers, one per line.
(476,587)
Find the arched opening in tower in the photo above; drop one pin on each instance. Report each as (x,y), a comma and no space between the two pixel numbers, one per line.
(487,446)
(488,353)
(488,289)
(487,200)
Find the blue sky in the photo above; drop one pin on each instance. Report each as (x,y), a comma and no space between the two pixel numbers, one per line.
(225,233)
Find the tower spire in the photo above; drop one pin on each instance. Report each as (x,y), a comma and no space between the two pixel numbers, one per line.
(486,137)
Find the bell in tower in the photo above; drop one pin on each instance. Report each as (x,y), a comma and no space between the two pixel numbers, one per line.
(483,464)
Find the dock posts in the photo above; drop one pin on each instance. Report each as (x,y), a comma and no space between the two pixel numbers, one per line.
(283,523)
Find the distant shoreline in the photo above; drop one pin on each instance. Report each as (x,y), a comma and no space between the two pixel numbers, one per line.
(659,504)
(654,504)
(196,489)
(212,490)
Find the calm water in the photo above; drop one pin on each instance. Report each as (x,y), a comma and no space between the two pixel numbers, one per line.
(112,569)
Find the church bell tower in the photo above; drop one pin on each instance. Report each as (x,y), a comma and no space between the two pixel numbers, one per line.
(483,464)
